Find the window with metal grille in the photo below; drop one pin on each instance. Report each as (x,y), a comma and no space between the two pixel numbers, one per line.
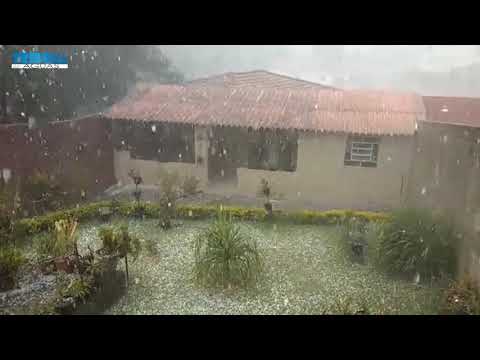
(361,151)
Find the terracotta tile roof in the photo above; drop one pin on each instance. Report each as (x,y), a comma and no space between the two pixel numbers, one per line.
(356,111)
(257,78)
(453,110)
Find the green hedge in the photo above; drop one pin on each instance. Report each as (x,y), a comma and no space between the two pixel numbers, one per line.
(92,211)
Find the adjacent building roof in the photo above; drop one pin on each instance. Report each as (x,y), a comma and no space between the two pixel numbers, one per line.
(314,109)
(453,110)
(257,78)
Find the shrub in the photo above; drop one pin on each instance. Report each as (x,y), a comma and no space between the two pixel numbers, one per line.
(61,242)
(416,242)
(169,192)
(461,298)
(225,257)
(137,180)
(119,242)
(11,259)
(190,185)
(78,289)
(265,190)
(35,225)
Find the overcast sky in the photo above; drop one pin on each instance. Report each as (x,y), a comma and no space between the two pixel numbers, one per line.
(354,66)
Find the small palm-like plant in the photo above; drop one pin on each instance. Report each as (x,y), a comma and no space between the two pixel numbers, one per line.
(224,257)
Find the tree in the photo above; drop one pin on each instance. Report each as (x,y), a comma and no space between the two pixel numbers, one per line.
(98,76)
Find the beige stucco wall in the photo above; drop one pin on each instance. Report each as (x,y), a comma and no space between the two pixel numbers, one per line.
(321,176)
(151,170)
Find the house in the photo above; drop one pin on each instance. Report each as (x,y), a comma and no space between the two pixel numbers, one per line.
(328,147)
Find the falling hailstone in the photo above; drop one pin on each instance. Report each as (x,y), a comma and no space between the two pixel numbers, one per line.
(424,190)
(31,122)
(7,174)
(416,279)
(154,128)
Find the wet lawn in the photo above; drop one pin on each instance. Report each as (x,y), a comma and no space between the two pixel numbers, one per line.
(307,271)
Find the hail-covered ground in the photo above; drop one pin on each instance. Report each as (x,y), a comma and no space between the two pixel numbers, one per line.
(307,271)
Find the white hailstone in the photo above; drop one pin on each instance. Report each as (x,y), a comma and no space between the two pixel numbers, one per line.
(416,280)
(7,174)
(389,158)
(190,213)
(22,113)
(424,190)
(169,204)
(31,122)
(154,128)
(137,281)
(179,156)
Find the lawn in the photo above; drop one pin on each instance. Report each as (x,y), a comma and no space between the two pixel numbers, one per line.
(307,271)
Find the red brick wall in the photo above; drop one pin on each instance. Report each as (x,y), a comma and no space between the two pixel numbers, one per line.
(79,150)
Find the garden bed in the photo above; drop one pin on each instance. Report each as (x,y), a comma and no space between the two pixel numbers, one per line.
(307,271)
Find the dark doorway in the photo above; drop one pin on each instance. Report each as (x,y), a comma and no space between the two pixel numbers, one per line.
(222,164)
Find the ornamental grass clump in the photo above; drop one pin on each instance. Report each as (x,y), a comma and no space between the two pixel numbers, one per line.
(415,242)
(58,243)
(225,257)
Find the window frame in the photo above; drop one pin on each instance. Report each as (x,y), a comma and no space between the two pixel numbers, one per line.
(355,145)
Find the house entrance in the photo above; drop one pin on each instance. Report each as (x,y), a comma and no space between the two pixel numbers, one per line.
(222,167)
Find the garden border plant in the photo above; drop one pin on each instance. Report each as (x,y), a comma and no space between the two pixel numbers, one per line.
(92,211)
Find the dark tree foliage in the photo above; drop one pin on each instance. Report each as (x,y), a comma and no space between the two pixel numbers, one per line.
(98,75)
